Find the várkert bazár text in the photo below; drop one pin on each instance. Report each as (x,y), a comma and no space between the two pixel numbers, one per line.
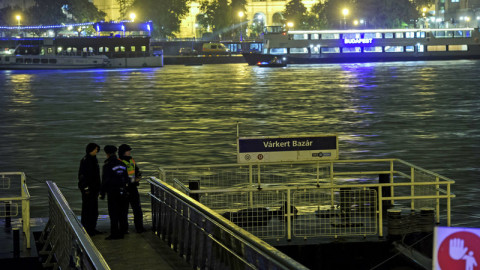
(294,143)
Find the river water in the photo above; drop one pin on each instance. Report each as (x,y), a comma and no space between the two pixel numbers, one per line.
(427,113)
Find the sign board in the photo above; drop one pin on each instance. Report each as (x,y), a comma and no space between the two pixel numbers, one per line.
(287,148)
(456,248)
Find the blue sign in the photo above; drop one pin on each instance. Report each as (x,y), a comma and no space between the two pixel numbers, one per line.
(287,149)
(358,40)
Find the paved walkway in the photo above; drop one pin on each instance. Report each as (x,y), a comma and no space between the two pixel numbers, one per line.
(136,251)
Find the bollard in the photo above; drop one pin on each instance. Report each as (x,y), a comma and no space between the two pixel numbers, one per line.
(8,218)
(394,219)
(194,185)
(16,243)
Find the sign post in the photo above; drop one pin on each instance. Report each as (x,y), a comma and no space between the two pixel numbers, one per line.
(287,148)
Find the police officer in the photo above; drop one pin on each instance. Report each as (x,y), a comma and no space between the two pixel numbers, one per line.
(125,155)
(114,183)
(89,185)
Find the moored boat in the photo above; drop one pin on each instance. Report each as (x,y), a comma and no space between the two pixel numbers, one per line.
(109,51)
(367,45)
(53,61)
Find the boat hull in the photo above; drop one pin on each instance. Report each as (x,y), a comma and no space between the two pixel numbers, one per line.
(254,58)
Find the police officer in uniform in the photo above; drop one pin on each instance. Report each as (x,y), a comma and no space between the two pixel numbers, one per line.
(125,155)
(89,185)
(114,184)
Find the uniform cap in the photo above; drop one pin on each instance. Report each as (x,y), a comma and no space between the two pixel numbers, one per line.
(123,148)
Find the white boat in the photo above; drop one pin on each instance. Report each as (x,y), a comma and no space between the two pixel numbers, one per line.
(367,45)
(52,61)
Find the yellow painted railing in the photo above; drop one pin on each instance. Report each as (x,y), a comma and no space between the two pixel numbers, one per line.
(312,199)
(14,196)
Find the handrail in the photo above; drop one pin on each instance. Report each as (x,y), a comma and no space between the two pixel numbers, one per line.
(25,199)
(323,184)
(223,226)
(71,237)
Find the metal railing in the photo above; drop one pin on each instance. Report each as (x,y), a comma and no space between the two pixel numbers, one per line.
(9,199)
(64,238)
(205,239)
(302,200)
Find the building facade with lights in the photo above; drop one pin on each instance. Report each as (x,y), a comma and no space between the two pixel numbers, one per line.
(269,12)
(456,13)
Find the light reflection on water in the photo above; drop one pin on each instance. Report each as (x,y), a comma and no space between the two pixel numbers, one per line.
(426,113)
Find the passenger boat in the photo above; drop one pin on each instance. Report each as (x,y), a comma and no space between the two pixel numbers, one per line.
(108,51)
(62,61)
(367,45)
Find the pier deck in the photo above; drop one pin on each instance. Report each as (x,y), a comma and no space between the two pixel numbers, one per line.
(136,251)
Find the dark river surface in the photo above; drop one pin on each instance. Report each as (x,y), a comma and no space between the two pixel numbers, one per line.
(427,113)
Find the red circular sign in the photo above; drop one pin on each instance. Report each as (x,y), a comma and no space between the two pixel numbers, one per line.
(460,250)
(260,156)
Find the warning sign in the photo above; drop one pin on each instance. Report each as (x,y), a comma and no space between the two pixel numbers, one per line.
(456,248)
(287,148)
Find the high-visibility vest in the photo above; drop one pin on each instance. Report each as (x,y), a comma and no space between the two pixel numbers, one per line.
(130,167)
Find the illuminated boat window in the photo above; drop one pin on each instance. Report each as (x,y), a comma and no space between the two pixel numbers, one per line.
(410,48)
(388,35)
(352,36)
(420,34)
(437,48)
(315,50)
(100,49)
(439,34)
(278,50)
(122,48)
(117,49)
(398,35)
(330,49)
(300,37)
(393,48)
(107,49)
(461,48)
(352,50)
(144,48)
(298,50)
(314,36)
(420,48)
(372,49)
(330,36)
(50,50)
(410,34)
(132,48)
(372,35)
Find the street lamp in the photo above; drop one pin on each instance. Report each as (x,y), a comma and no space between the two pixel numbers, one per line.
(132,16)
(345,13)
(241,14)
(290,25)
(18,20)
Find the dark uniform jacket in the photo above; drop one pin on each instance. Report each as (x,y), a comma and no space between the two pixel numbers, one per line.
(89,174)
(114,177)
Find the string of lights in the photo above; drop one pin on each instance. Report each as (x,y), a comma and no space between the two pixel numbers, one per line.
(46,26)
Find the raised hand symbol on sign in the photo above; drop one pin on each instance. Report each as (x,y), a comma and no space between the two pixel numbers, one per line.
(457,249)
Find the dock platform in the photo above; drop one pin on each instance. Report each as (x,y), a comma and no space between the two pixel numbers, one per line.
(136,250)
